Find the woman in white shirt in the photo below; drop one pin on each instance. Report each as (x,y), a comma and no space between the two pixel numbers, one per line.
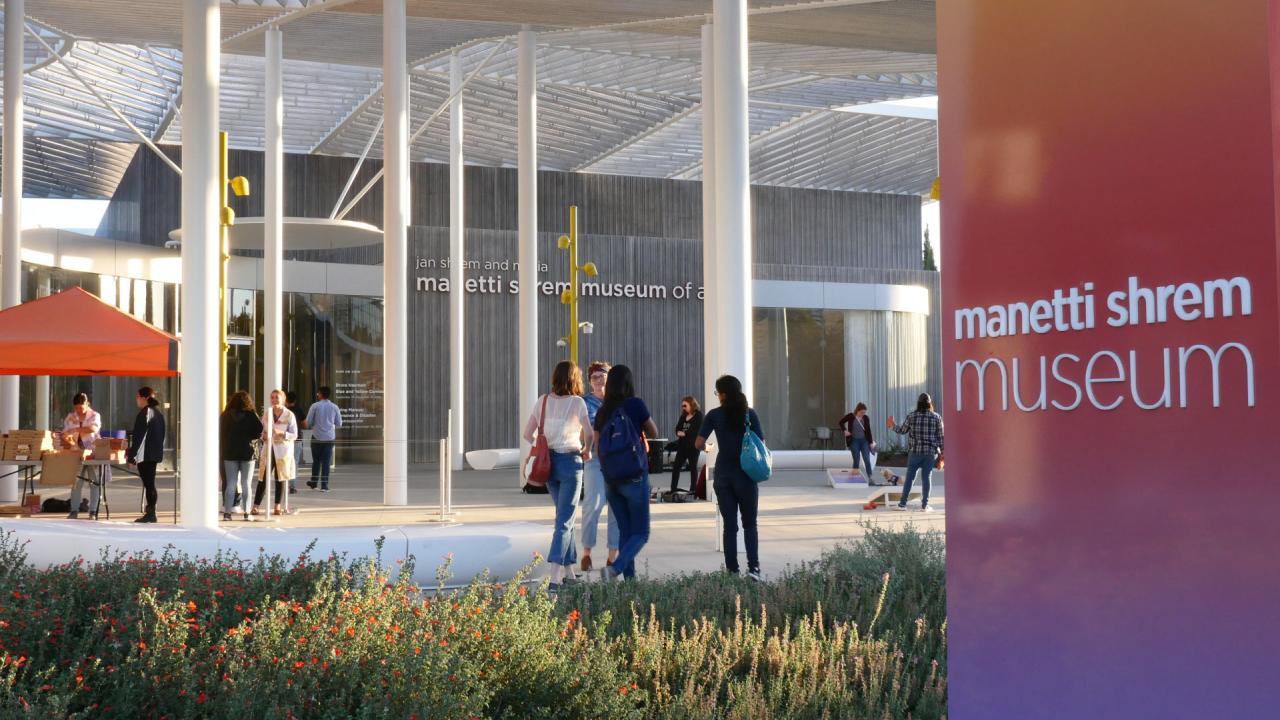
(563,415)
(81,427)
(280,430)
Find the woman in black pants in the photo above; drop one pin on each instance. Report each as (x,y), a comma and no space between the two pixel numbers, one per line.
(146,447)
(736,493)
(686,450)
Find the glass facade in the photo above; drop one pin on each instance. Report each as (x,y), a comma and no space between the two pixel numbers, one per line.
(799,376)
(333,340)
(813,366)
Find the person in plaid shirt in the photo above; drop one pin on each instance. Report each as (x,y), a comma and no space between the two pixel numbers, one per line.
(923,429)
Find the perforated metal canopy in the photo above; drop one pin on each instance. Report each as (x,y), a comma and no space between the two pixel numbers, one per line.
(619,85)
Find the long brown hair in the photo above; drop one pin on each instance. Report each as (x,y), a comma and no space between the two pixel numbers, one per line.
(693,403)
(240,401)
(566,379)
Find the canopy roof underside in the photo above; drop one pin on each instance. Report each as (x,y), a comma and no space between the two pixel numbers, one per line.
(619,85)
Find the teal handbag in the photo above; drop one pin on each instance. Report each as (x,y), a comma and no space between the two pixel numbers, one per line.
(756,460)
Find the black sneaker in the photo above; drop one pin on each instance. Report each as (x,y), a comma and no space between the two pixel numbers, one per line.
(755,575)
(311,484)
(293,491)
(146,519)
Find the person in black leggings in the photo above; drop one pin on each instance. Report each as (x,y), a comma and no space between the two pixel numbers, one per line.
(686,451)
(146,447)
(736,493)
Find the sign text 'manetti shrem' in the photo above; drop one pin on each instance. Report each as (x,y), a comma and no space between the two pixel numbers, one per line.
(1108,378)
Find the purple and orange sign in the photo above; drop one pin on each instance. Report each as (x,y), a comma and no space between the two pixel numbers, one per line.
(1112,356)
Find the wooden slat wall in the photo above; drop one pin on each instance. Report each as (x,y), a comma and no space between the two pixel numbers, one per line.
(637,230)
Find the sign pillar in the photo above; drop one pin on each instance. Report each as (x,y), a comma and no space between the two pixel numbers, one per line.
(1110,356)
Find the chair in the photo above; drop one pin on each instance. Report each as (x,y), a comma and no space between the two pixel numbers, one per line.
(819,437)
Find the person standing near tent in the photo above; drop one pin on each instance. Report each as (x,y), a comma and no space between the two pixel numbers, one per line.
(146,447)
(80,429)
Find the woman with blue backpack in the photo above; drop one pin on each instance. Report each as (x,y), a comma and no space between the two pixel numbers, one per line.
(622,422)
(736,492)
(560,420)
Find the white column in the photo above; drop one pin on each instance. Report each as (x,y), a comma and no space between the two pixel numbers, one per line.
(711,357)
(273,218)
(527,182)
(733,191)
(201,253)
(457,255)
(395,229)
(42,381)
(11,249)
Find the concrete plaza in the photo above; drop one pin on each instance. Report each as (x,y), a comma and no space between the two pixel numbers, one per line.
(800,514)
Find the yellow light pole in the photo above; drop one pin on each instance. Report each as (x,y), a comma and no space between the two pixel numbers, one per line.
(570,297)
(227,217)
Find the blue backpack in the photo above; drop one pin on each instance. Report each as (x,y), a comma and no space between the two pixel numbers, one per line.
(621,449)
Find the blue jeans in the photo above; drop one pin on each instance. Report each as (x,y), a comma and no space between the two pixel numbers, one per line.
(924,463)
(564,486)
(860,448)
(321,461)
(739,495)
(239,477)
(593,504)
(629,502)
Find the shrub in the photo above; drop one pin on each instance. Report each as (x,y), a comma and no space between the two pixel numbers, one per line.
(859,633)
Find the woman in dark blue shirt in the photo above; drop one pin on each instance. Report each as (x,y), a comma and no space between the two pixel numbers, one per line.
(628,497)
(736,493)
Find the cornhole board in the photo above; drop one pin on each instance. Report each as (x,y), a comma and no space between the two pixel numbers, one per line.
(885,494)
(846,479)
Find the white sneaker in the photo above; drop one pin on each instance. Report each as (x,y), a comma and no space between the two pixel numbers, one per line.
(926,508)
(900,508)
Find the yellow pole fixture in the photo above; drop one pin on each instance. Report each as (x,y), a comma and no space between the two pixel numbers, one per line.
(571,296)
(935,191)
(238,185)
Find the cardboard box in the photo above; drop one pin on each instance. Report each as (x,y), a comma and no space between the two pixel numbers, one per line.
(60,468)
(27,444)
(32,504)
(112,449)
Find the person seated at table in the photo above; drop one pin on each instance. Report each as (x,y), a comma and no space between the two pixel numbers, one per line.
(80,429)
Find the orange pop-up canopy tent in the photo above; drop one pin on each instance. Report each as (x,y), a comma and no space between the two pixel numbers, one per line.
(75,333)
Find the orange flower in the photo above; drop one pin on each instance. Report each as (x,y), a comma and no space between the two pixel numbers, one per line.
(191,606)
(142,645)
